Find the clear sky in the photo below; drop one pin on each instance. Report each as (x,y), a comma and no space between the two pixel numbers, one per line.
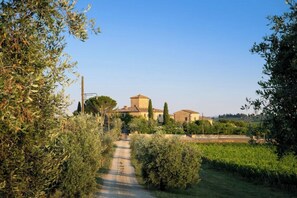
(192,54)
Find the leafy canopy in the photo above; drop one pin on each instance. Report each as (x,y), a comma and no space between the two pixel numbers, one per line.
(100,104)
(278,96)
(32,66)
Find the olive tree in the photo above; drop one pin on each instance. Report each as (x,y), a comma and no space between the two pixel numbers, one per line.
(166,163)
(32,66)
(278,98)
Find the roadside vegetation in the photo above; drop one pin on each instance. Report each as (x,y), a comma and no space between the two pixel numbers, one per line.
(166,163)
(43,151)
(81,142)
(108,147)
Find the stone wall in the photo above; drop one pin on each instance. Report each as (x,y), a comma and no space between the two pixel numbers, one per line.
(208,138)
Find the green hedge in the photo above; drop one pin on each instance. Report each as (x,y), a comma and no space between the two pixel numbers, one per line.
(82,143)
(166,163)
(30,161)
(61,163)
(88,147)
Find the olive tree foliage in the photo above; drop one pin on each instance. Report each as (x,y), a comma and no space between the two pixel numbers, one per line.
(166,163)
(278,94)
(32,66)
(81,139)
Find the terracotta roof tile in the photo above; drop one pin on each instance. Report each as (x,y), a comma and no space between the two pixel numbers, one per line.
(188,111)
(139,96)
(157,110)
(135,109)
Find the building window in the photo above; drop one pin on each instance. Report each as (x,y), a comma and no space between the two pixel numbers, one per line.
(186,119)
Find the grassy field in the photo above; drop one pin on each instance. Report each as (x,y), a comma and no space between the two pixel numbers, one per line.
(223,184)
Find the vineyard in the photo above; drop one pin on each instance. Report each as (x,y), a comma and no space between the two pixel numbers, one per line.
(252,161)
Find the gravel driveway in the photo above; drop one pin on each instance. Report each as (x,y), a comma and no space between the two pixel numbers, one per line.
(121,181)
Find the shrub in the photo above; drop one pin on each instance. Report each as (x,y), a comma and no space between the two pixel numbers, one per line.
(30,163)
(64,161)
(141,125)
(194,128)
(174,128)
(82,143)
(166,163)
(108,138)
(171,127)
(116,128)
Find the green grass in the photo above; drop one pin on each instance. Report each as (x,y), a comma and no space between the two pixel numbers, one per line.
(216,183)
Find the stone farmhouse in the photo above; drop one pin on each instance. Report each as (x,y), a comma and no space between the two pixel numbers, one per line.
(189,116)
(186,116)
(139,107)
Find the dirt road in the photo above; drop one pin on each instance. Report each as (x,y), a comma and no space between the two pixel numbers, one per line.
(121,181)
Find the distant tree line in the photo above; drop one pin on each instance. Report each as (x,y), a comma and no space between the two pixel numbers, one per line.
(242,116)
(230,115)
(223,126)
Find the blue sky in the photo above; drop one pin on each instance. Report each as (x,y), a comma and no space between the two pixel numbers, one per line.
(192,54)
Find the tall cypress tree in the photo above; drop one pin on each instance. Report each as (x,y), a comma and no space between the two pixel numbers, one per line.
(150,110)
(78,107)
(165,114)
